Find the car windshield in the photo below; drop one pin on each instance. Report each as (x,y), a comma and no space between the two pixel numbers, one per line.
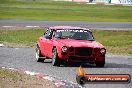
(74,34)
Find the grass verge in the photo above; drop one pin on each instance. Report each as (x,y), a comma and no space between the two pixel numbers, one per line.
(15,79)
(51,10)
(24,37)
(117,42)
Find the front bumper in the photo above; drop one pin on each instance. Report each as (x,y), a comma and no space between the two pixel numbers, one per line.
(83,54)
(82,59)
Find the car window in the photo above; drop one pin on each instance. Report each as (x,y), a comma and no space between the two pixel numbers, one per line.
(74,34)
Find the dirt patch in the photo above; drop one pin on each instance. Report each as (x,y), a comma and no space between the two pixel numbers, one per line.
(15,79)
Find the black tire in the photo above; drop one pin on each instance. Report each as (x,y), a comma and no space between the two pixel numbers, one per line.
(66,64)
(55,59)
(39,56)
(100,64)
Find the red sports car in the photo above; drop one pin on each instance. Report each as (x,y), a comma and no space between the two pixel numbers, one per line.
(70,45)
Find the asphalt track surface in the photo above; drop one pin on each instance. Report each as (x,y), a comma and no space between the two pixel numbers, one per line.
(92,25)
(24,59)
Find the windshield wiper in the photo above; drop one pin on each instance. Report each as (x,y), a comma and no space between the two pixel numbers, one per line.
(79,39)
(91,40)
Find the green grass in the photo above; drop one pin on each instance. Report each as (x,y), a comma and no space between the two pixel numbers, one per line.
(24,37)
(4,73)
(117,42)
(50,10)
(18,79)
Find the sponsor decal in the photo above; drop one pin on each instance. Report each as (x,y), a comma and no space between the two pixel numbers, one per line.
(72,30)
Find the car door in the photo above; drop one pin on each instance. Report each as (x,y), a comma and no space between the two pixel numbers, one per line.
(46,42)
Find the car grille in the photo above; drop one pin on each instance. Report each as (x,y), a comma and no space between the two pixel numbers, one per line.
(83,51)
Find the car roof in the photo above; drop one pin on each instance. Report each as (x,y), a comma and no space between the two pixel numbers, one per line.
(67,27)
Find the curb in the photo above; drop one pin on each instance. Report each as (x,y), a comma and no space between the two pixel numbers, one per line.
(58,83)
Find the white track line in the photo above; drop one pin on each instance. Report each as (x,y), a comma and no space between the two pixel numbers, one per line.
(32,26)
(8,26)
(1,45)
(20,26)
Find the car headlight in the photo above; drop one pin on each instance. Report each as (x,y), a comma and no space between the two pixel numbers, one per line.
(64,49)
(103,51)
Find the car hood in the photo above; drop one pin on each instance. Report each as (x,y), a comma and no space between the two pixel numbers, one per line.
(80,43)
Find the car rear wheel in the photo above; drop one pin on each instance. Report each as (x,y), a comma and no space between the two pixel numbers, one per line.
(100,64)
(55,59)
(39,56)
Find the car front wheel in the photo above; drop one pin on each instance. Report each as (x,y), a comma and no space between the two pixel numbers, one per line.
(39,57)
(55,59)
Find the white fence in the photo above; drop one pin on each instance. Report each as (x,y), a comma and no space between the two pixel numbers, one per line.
(121,1)
(105,1)
(114,1)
